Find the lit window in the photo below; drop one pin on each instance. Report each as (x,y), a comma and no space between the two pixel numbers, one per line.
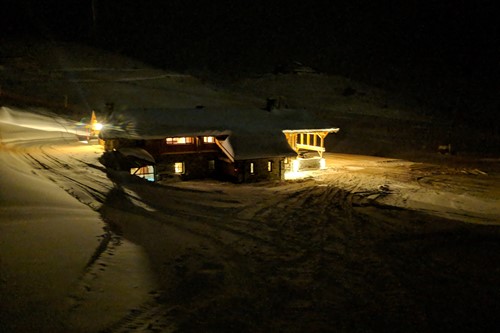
(251,168)
(179,141)
(179,167)
(208,139)
(269,166)
(146,172)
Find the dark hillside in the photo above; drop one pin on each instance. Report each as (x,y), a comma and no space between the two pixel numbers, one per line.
(438,58)
(443,55)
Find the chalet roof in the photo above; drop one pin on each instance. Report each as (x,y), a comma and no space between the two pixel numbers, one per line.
(137,153)
(250,133)
(246,145)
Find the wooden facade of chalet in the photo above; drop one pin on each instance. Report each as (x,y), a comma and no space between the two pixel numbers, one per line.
(198,157)
(241,145)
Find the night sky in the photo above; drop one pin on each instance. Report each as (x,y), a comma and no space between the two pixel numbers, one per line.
(445,53)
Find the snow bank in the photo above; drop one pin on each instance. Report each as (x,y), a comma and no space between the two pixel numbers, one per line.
(38,121)
(55,269)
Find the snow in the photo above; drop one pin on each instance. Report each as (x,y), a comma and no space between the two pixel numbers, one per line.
(137,153)
(38,119)
(84,270)
(368,244)
(156,123)
(253,133)
(48,238)
(453,197)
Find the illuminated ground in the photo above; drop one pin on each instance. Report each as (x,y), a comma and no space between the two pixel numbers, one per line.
(369,244)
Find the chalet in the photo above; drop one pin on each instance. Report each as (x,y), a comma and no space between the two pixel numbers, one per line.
(241,145)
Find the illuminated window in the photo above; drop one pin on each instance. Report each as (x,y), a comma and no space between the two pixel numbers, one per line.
(179,167)
(208,139)
(179,141)
(269,166)
(251,168)
(146,172)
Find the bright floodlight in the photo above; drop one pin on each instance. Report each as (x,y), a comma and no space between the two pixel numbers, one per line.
(97,126)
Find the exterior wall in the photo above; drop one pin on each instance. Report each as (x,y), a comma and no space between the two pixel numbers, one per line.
(243,170)
(153,147)
(202,160)
(195,166)
(226,170)
(159,147)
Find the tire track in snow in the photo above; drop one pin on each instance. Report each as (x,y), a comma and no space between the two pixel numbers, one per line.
(65,174)
(149,317)
(82,186)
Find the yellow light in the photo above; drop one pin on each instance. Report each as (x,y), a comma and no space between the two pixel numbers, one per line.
(97,127)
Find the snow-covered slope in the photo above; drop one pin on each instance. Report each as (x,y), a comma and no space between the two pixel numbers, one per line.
(73,79)
(77,243)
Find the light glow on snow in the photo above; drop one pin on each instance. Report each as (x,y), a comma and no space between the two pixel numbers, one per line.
(322,164)
(290,175)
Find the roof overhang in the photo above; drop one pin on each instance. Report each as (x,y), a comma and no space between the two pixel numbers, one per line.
(138,155)
(315,130)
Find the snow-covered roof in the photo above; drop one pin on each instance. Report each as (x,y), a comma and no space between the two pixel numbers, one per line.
(312,130)
(251,133)
(246,145)
(137,153)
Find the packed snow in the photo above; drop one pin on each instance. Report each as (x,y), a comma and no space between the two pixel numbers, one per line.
(83,250)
